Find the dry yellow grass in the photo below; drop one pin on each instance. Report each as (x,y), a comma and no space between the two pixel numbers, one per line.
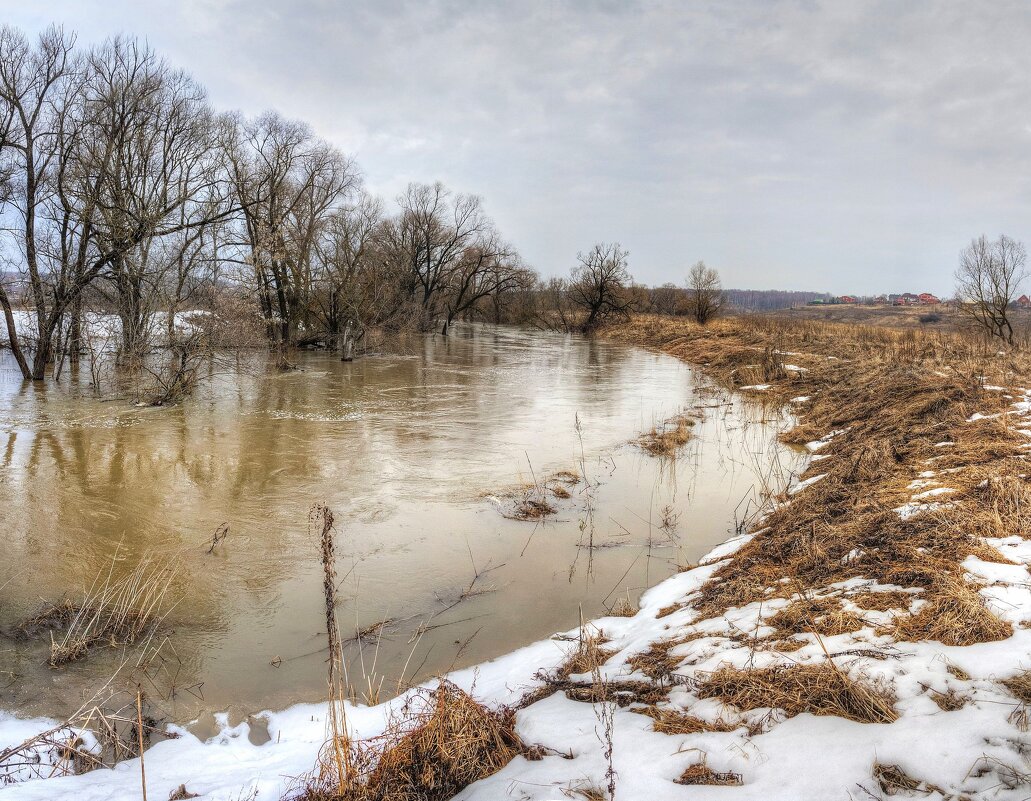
(883,601)
(658,662)
(668,438)
(114,611)
(820,689)
(824,616)
(896,395)
(438,745)
(589,655)
(1020,686)
(673,721)
(700,773)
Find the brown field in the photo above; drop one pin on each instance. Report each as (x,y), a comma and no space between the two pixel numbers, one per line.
(930,318)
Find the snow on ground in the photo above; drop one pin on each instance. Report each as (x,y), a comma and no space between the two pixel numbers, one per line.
(102,330)
(976,746)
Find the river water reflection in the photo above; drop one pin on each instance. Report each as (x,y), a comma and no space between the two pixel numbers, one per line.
(404,450)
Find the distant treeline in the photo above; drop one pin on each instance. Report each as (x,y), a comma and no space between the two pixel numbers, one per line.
(771,299)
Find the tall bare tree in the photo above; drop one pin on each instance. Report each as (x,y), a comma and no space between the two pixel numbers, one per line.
(289,185)
(599,285)
(987,280)
(31,80)
(106,149)
(704,293)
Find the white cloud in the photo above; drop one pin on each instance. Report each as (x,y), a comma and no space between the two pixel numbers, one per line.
(843,146)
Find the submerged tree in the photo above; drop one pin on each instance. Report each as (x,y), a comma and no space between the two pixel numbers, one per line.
(705,296)
(122,190)
(599,286)
(989,275)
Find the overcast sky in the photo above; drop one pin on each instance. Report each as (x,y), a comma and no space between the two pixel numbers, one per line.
(836,146)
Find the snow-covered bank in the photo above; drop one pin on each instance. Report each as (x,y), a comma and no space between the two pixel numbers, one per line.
(951,723)
(977,750)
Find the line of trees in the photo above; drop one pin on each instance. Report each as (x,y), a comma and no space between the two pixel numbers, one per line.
(122,189)
(123,192)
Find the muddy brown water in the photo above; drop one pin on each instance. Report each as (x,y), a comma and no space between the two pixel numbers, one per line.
(407,452)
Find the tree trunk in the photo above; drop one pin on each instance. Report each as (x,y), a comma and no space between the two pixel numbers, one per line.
(75,331)
(12,335)
(347,345)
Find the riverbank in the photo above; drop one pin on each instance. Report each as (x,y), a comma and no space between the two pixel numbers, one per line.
(867,637)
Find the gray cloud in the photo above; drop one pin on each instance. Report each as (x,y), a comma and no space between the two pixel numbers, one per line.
(843,146)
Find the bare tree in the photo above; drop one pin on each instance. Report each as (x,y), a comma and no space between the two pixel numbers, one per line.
(599,285)
(162,188)
(704,293)
(106,149)
(666,299)
(989,275)
(356,287)
(31,77)
(289,185)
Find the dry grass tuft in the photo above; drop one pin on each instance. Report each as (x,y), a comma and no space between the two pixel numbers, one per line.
(673,721)
(892,780)
(948,701)
(1020,686)
(668,438)
(658,662)
(621,692)
(700,773)
(883,601)
(533,509)
(824,616)
(624,607)
(534,501)
(955,614)
(820,689)
(589,655)
(439,744)
(788,645)
(113,612)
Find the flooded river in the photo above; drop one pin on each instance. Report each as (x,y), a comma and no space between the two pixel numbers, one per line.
(407,451)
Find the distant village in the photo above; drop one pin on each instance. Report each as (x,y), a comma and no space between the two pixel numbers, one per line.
(904,299)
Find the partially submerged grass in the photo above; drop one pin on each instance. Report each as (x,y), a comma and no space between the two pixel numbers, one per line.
(113,612)
(536,500)
(667,438)
(820,689)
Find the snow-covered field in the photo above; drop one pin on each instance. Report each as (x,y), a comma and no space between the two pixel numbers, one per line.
(101,331)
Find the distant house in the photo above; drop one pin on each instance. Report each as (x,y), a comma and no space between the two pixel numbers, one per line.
(906,299)
(848,299)
(1024,302)
(927,299)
